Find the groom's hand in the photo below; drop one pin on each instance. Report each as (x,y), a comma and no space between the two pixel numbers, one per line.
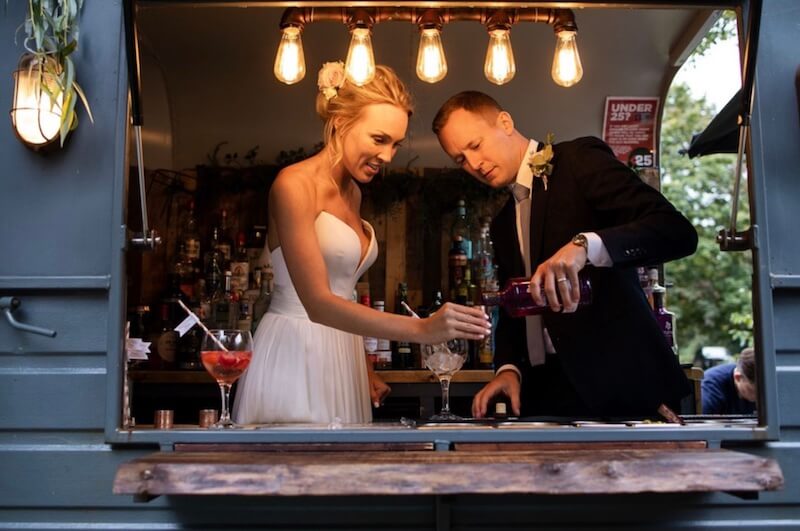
(558,275)
(505,383)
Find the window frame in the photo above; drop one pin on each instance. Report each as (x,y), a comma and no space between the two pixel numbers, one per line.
(767,428)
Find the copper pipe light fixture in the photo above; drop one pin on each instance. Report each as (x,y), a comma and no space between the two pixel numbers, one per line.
(431,66)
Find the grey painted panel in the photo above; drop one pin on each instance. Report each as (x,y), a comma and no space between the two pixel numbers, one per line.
(778,113)
(60,475)
(79,318)
(66,398)
(787,318)
(57,221)
(789,396)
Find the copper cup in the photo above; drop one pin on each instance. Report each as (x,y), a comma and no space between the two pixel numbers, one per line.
(163,419)
(208,417)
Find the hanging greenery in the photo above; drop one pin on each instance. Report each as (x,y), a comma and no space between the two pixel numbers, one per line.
(52,32)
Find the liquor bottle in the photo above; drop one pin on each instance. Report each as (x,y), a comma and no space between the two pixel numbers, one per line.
(485,358)
(182,268)
(223,242)
(461,228)
(462,288)
(261,304)
(384,352)
(370,343)
(256,252)
(457,263)
(245,321)
(213,271)
(485,270)
(188,347)
(165,339)
(190,238)
(225,306)
(139,329)
(402,357)
(664,317)
(517,301)
(240,266)
(652,282)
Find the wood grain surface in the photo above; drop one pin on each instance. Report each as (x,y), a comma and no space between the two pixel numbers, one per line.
(574,471)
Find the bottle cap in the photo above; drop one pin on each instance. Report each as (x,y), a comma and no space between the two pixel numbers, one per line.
(500,409)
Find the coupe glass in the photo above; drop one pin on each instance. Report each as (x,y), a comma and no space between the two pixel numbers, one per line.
(444,360)
(226,355)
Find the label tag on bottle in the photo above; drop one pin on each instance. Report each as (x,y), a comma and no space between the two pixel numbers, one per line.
(186,324)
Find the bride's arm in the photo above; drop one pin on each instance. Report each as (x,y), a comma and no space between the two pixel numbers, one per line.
(292,206)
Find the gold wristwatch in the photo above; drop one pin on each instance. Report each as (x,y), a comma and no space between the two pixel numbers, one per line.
(580,239)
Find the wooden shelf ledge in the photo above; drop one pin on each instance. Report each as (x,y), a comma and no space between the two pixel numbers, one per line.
(583,470)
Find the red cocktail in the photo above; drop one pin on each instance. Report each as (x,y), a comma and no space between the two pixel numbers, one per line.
(226,355)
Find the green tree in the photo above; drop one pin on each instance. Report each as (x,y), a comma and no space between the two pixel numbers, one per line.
(712,289)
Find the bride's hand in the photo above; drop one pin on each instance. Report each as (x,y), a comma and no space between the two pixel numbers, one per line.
(378,390)
(456,321)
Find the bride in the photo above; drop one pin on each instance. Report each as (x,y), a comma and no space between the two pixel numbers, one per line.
(308,362)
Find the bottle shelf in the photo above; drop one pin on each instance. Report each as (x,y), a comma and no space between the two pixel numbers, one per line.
(389,376)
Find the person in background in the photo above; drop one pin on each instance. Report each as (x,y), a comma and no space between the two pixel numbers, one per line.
(573,206)
(309,363)
(730,389)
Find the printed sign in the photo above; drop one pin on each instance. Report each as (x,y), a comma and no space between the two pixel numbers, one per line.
(629,128)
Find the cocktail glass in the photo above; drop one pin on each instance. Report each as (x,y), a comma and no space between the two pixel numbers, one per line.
(444,360)
(226,355)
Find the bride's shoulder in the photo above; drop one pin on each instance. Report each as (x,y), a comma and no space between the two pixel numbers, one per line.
(295,177)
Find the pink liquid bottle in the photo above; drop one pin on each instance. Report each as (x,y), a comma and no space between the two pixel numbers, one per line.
(516,300)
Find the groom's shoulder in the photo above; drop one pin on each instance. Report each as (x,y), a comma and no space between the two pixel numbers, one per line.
(584,142)
(583,148)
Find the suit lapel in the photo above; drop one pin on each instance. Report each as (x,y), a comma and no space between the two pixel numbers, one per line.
(507,219)
(538,219)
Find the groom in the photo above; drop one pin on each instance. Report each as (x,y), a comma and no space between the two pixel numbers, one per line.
(576,207)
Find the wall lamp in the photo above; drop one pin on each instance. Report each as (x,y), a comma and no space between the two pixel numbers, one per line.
(35,117)
(499,65)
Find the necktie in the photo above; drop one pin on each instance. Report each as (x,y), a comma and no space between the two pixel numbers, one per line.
(533,323)
(520,192)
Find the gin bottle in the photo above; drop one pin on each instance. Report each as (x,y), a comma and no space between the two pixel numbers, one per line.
(518,302)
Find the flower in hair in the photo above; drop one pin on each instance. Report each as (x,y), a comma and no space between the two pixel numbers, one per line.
(331,78)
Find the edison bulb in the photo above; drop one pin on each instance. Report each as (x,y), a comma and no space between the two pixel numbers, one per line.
(567,69)
(360,64)
(499,66)
(431,62)
(290,62)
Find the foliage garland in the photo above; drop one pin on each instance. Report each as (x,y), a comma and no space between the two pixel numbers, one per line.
(52,30)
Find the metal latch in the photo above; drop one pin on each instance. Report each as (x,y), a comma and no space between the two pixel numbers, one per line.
(8,305)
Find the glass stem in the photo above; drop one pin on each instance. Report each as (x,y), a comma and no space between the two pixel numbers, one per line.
(225,415)
(445,383)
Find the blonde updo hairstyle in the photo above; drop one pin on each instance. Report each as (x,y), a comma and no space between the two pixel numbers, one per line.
(346,106)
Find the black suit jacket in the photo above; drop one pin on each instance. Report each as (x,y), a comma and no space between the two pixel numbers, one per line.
(612,350)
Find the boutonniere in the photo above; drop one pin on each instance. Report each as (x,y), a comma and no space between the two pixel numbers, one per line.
(539,162)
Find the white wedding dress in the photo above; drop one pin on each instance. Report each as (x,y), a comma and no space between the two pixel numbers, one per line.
(302,371)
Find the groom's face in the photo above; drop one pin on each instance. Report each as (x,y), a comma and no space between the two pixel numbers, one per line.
(481,144)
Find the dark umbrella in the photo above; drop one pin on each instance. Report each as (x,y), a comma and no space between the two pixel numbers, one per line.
(722,134)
